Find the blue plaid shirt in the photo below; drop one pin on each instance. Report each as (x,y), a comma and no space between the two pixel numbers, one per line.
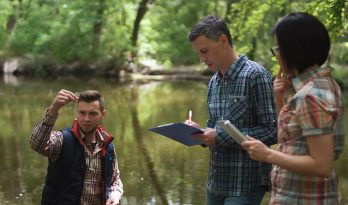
(245,96)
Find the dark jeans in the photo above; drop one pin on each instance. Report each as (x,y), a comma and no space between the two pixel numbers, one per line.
(254,199)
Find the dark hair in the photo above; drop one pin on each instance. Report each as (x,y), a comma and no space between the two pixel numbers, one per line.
(91,96)
(303,41)
(212,27)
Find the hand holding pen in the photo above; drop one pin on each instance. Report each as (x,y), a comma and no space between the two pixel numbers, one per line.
(190,122)
(207,138)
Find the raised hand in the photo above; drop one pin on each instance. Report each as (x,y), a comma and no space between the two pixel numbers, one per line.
(62,98)
(281,84)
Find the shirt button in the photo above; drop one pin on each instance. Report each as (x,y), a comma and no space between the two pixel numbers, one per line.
(235,100)
(214,170)
(215,153)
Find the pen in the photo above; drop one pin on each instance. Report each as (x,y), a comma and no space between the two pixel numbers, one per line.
(190,117)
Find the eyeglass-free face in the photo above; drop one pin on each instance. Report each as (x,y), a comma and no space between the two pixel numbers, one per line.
(274,50)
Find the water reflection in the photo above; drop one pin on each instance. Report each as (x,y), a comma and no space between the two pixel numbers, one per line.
(154,169)
(10,79)
(143,148)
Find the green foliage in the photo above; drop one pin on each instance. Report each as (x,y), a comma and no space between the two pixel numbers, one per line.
(251,25)
(167,29)
(65,31)
(332,13)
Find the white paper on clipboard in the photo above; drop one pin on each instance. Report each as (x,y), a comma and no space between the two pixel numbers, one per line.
(232,131)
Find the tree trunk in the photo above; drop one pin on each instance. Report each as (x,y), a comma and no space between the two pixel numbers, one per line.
(12,18)
(228,10)
(97,27)
(252,52)
(216,5)
(20,11)
(142,9)
(11,23)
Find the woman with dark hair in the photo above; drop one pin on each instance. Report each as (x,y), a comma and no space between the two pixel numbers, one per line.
(310,124)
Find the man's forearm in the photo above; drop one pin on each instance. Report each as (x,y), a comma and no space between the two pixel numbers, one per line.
(41,134)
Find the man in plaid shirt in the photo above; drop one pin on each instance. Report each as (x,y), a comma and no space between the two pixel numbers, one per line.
(240,91)
(82,166)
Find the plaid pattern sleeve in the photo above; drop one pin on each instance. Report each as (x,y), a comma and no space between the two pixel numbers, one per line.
(263,121)
(245,96)
(315,116)
(44,141)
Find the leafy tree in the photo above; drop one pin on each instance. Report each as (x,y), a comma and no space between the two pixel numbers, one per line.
(165,33)
(108,32)
(142,9)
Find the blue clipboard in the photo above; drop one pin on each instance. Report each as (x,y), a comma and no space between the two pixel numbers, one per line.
(179,132)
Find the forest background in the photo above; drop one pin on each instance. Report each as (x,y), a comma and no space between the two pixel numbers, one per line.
(49,37)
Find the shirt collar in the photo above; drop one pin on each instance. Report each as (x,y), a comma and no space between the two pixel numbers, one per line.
(300,80)
(234,68)
(98,137)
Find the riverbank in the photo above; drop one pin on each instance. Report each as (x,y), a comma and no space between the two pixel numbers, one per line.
(146,70)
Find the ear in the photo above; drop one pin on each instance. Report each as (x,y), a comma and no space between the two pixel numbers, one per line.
(224,40)
(103,113)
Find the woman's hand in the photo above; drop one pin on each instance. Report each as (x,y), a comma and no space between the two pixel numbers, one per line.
(281,84)
(256,149)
